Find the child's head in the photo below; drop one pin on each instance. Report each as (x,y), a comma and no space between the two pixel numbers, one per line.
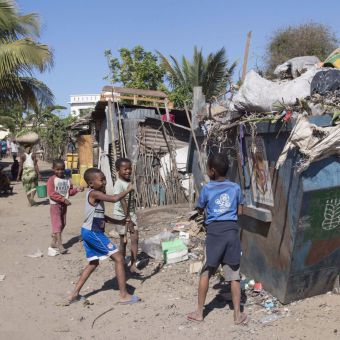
(124,168)
(58,167)
(95,179)
(217,166)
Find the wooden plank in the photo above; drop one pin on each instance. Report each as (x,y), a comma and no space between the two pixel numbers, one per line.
(261,214)
(85,150)
(246,55)
(138,92)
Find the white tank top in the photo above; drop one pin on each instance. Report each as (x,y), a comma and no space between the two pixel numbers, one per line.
(94,215)
(29,163)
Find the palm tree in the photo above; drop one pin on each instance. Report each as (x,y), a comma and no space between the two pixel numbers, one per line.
(20,56)
(212,73)
(41,114)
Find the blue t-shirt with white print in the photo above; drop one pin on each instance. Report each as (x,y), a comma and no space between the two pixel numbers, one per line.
(220,200)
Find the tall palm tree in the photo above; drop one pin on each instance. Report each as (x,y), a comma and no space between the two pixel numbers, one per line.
(212,73)
(20,56)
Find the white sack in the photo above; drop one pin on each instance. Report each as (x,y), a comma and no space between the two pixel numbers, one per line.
(296,66)
(258,94)
(313,142)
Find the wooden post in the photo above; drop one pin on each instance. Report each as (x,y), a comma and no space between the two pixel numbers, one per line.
(166,110)
(198,105)
(246,55)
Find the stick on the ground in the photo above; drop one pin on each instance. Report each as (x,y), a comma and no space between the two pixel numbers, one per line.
(100,315)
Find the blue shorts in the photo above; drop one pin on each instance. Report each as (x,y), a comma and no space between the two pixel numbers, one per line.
(223,244)
(97,245)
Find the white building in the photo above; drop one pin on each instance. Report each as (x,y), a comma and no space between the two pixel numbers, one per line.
(79,102)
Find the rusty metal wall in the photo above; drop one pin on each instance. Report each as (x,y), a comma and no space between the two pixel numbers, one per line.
(297,254)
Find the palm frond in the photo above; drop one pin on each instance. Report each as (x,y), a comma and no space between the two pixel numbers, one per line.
(24,55)
(35,93)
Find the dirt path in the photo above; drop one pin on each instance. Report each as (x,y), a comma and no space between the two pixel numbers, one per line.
(34,286)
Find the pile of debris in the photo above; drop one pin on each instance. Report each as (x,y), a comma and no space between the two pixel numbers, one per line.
(304,87)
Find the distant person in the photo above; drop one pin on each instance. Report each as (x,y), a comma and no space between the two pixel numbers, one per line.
(97,245)
(29,173)
(5,183)
(3,148)
(14,149)
(59,189)
(122,212)
(222,201)
(15,169)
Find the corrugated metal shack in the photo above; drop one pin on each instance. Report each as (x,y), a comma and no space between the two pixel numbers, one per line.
(150,135)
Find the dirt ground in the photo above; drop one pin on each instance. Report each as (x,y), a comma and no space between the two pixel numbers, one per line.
(33,288)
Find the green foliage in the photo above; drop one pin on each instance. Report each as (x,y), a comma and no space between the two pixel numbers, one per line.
(136,68)
(12,117)
(54,135)
(20,55)
(211,72)
(310,39)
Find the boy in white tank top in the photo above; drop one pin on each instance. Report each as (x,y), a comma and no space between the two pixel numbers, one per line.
(96,244)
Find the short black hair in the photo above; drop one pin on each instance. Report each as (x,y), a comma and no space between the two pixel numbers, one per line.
(120,161)
(57,162)
(89,173)
(219,162)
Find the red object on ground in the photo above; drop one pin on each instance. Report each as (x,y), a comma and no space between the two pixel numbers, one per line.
(171,118)
(258,287)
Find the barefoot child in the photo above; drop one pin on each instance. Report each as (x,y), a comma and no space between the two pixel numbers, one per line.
(122,212)
(59,189)
(221,200)
(97,245)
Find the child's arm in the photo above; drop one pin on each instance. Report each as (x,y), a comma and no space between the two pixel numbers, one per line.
(53,195)
(202,201)
(100,196)
(240,209)
(109,219)
(73,191)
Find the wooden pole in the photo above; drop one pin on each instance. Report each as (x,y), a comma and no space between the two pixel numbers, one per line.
(246,55)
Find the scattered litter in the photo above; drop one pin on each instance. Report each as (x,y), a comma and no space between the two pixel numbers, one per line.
(153,245)
(185,237)
(38,253)
(258,287)
(174,251)
(2,277)
(269,304)
(195,267)
(270,318)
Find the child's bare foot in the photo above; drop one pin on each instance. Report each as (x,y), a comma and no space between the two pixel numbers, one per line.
(74,298)
(241,320)
(195,316)
(134,270)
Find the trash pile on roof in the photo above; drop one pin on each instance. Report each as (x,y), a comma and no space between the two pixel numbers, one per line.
(304,86)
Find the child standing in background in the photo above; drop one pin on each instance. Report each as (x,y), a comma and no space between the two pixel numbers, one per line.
(59,189)
(124,210)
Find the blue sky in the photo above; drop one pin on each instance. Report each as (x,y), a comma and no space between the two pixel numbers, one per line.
(80,30)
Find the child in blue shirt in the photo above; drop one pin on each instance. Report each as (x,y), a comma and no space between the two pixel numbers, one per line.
(221,200)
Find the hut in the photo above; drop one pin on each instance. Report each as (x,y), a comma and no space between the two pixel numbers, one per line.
(140,125)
